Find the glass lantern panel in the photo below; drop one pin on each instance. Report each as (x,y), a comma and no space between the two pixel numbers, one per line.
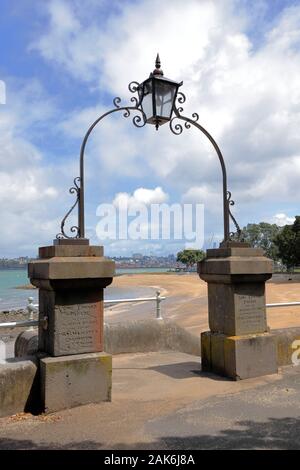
(164,95)
(147,103)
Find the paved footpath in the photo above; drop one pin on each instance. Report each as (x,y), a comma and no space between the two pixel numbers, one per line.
(163,401)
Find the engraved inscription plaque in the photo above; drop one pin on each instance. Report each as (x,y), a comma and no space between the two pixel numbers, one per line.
(77,328)
(250,314)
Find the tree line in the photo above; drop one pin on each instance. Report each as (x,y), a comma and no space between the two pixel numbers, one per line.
(281,244)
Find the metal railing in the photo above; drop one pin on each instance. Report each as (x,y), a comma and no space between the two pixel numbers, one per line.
(32,308)
(283,304)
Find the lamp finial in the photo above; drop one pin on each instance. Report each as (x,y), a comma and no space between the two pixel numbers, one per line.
(157,61)
(157,70)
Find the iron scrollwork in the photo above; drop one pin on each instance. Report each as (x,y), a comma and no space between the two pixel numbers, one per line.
(177,129)
(73,190)
(238,233)
(139,120)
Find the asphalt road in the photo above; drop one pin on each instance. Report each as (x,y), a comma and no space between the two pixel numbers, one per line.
(263,418)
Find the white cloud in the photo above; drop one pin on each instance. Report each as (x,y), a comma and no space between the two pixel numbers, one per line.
(282,219)
(30,187)
(2,92)
(23,174)
(24,187)
(143,221)
(279,183)
(247,96)
(207,195)
(140,196)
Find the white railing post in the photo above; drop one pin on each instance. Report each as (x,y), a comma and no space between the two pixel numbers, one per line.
(30,310)
(158,308)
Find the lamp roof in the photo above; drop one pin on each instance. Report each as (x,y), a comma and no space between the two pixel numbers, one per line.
(159,75)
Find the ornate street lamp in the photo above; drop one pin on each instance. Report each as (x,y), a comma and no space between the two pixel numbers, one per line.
(157,96)
(156,103)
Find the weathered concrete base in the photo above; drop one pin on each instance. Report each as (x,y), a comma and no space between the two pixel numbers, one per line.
(239,344)
(75,380)
(239,357)
(18,386)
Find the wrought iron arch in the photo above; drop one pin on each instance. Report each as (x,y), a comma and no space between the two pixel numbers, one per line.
(140,121)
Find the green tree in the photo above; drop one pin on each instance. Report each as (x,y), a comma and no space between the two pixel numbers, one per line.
(262,235)
(288,244)
(190,257)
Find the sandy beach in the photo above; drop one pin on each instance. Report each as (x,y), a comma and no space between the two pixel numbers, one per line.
(186,301)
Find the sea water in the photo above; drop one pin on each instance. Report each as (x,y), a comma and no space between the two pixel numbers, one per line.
(13,298)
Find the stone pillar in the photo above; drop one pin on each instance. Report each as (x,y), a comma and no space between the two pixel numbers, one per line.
(71,277)
(239,344)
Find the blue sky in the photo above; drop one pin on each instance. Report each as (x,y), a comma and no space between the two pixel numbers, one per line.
(63,61)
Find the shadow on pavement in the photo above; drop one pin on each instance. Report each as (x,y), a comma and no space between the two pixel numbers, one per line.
(275,433)
(185,370)
(180,370)
(26,444)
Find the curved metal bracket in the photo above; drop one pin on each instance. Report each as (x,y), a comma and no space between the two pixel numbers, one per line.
(78,188)
(177,129)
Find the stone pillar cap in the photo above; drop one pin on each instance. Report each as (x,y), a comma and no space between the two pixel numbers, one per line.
(236,251)
(70,250)
(61,268)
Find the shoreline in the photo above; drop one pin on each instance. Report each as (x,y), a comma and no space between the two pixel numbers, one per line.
(186,300)
(25,287)
(277,278)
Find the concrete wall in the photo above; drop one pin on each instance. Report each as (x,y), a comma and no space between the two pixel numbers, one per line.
(285,340)
(18,386)
(19,379)
(130,337)
(26,343)
(149,335)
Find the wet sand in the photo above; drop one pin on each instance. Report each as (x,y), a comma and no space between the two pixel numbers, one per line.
(186,301)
